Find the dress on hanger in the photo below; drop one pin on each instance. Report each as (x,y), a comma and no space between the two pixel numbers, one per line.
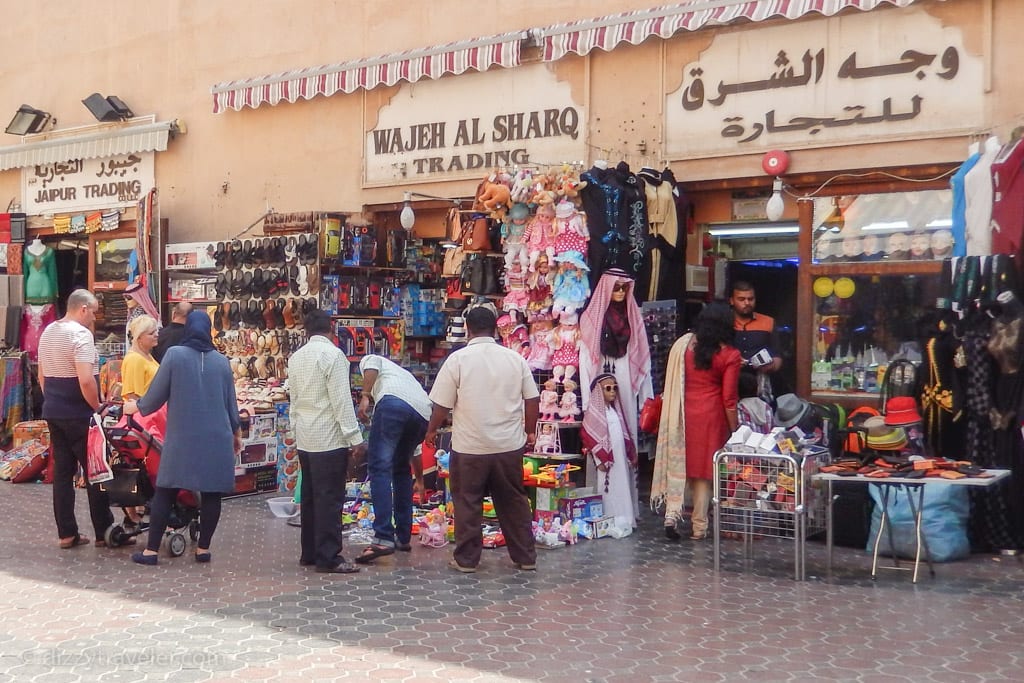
(34,320)
(959,214)
(40,276)
(978,193)
(1008,199)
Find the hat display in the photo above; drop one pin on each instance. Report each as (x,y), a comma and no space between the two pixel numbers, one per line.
(901,410)
(883,437)
(790,409)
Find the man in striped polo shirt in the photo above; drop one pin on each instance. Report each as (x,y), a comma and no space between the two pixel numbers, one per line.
(68,369)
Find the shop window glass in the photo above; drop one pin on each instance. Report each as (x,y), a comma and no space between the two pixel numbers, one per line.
(863,322)
(901,226)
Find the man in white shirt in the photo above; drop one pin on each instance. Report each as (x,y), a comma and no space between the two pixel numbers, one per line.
(494,402)
(326,434)
(400,414)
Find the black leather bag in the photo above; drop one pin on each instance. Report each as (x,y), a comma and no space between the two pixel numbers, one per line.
(130,486)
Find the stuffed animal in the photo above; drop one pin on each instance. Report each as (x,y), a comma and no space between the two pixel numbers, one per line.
(522,185)
(540,234)
(549,400)
(571,232)
(543,190)
(567,406)
(569,187)
(493,197)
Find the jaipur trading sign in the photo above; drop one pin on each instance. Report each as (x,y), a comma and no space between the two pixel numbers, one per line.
(83,184)
(468,125)
(830,82)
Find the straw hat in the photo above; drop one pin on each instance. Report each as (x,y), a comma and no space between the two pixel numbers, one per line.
(883,437)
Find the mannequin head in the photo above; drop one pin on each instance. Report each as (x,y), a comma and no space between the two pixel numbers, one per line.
(620,290)
(609,387)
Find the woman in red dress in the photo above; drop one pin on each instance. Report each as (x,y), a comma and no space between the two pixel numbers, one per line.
(712,391)
(701,388)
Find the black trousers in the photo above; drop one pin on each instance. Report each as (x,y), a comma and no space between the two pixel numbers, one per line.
(501,476)
(321,498)
(68,439)
(160,512)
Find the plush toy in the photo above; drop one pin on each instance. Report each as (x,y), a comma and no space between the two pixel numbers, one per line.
(565,361)
(566,533)
(513,240)
(494,197)
(543,190)
(540,234)
(522,185)
(571,286)
(571,232)
(567,407)
(569,186)
(541,332)
(549,400)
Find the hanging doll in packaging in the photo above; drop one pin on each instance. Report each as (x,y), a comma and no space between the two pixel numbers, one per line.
(608,441)
(571,285)
(541,339)
(540,234)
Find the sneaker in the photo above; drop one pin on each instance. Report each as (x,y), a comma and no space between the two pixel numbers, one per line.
(525,567)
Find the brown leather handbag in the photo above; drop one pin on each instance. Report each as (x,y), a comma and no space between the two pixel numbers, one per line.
(476,234)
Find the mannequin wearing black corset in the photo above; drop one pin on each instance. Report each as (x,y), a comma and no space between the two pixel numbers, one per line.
(1006,345)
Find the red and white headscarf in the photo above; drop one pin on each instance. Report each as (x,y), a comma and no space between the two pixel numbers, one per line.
(594,431)
(138,292)
(592,320)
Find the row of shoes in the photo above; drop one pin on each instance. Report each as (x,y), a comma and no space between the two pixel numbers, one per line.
(252,342)
(267,251)
(263,315)
(262,367)
(261,283)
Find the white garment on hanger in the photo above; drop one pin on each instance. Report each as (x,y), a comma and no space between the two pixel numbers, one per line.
(978,194)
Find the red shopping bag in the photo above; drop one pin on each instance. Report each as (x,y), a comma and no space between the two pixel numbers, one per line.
(97,468)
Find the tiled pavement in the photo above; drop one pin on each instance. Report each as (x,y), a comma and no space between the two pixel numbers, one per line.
(634,609)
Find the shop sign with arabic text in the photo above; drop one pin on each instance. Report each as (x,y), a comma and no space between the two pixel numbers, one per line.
(837,81)
(86,184)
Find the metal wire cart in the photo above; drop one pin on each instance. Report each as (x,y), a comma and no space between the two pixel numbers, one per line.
(768,495)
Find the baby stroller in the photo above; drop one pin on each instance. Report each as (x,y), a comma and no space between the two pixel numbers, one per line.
(135,448)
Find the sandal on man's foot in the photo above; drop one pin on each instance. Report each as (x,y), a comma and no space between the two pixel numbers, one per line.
(71,542)
(372,552)
(671,533)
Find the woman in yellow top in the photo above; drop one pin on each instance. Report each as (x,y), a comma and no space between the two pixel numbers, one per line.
(139,367)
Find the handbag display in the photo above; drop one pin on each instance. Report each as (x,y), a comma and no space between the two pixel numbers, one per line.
(650,415)
(476,234)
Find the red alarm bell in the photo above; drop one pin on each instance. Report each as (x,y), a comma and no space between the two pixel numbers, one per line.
(775,162)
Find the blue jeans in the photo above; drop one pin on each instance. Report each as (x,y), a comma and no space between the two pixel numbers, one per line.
(395,432)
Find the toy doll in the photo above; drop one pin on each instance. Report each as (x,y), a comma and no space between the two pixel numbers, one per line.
(538,289)
(547,439)
(571,286)
(566,358)
(541,332)
(570,229)
(515,300)
(515,276)
(567,407)
(549,400)
(514,334)
(513,232)
(540,234)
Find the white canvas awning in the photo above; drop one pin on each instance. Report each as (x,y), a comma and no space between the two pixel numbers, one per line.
(149,137)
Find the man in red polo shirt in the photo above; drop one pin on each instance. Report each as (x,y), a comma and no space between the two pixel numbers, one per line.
(755,333)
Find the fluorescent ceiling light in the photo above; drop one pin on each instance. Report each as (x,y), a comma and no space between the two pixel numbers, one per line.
(893,225)
(741,230)
(940,223)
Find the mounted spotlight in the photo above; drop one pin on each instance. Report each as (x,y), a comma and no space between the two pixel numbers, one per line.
(107,109)
(28,120)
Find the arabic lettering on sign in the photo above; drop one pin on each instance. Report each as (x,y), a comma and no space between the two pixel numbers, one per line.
(911,61)
(815,124)
(80,184)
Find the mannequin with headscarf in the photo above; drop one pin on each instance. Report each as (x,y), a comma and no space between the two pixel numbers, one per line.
(614,341)
(612,451)
(137,300)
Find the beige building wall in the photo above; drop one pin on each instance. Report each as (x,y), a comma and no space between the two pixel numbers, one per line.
(230,167)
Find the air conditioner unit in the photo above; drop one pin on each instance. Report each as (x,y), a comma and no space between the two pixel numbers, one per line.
(696,278)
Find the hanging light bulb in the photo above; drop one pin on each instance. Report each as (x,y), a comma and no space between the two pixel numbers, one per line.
(775,206)
(407,218)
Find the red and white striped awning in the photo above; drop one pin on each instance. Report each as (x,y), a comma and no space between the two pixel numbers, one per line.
(580,37)
(478,54)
